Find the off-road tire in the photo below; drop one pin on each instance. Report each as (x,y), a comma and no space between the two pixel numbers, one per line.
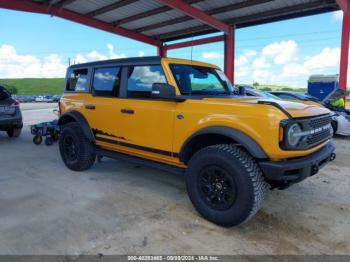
(250,186)
(14,132)
(84,156)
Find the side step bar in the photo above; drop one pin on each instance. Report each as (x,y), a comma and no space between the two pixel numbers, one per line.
(139,161)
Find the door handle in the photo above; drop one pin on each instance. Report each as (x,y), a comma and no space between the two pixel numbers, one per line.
(90,107)
(127,111)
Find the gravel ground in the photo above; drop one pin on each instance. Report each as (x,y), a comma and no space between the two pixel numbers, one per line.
(119,208)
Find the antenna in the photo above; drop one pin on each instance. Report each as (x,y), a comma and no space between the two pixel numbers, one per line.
(192,48)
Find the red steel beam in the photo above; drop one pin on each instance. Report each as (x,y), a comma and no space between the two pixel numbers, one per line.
(161,51)
(73,16)
(344,51)
(344,5)
(196,42)
(197,14)
(229,54)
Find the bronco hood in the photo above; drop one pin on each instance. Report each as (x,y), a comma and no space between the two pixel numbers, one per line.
(295,109)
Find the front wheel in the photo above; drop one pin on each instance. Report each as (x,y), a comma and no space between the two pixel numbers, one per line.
(14,132)
(76,150)
(225,184)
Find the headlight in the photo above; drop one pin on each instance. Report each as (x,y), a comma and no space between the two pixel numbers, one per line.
(294,134)
(304,133)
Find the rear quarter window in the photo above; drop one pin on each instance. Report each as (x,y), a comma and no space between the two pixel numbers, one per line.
(77,80)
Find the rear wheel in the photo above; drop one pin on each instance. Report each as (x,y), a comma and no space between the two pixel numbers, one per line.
(76,150)
(14,132)
(225,184)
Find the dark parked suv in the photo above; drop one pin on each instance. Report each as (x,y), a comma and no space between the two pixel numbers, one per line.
(10,114)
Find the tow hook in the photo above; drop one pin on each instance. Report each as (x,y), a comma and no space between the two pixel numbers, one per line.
(332,157)
(314,170)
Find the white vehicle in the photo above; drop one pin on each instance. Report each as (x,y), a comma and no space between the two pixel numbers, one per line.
(340,117)
(45,99)
(341,124)
(39,99)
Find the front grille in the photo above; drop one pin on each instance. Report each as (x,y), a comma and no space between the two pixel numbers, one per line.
(320,121)
(318,138)
(321,127)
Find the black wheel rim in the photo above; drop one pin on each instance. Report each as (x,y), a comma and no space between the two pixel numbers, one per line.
(217,187)
(70,148)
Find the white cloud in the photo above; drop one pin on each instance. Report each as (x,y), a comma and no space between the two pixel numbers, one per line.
(79,59)
(281,52)
(94,55)
(259,75)
(242,60)
(214,55)
(279,63)
(338,15)
(141,53)
(249,53)
(294,70)
(13,65)
(242,71)
(329,57)
(112,54)
(261,63)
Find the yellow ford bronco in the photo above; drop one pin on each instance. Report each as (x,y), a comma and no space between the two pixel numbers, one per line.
(184,117)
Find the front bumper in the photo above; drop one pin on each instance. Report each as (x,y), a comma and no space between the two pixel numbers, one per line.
(296,170)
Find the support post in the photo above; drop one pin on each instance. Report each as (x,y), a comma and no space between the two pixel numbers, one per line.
(162,51)
(229,54)
(344,51)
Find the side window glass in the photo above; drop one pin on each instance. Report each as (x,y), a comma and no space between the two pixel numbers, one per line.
(141,79)
(77,80)
(106,81)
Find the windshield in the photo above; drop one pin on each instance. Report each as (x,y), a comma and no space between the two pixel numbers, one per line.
(200,80)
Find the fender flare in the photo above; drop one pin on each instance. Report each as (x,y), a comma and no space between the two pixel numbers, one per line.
(79,118)
(239,137)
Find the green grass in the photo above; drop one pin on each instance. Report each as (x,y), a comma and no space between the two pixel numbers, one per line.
(35,86)
(280,88)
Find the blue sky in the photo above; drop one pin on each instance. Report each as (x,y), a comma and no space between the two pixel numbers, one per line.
(287,52)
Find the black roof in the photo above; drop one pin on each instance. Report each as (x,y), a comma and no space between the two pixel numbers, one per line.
(123,61)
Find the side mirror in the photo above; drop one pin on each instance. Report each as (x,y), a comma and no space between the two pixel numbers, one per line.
(242,91)
(163,90)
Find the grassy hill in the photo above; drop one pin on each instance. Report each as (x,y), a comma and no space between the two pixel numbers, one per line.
(35,86)
(280,88)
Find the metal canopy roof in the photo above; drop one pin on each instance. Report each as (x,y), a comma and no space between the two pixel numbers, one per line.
(156,21)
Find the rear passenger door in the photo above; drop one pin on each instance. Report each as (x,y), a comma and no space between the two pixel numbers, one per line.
(102,106)
(145,123)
